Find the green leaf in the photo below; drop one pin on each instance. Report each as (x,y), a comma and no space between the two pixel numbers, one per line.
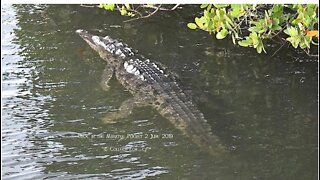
(297,6)
(208,14)
(277,28)
(123,11)
(306,40)
(203,6)
(210,25)
(275,21)
(220,13)
(236,10)
(192,26)
(256,39)
(236,6)
(228,20)
(307,21)
(245,43)
(275,24)
(277,11)
(311,6)
(199,22)
(212,11)
(131,14)
(205,26)
(259,49)
(220,5)
(222,34)
(254,29)
(107,6)
(235,13)
(291,31)
(100,5)
(294,41)
(111,7)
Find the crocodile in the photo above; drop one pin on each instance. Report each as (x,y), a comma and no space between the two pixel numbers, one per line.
(151,84)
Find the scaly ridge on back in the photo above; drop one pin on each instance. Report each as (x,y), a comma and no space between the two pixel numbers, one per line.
(153,84)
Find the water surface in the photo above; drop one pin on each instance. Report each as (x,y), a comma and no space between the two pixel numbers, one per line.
(263,108)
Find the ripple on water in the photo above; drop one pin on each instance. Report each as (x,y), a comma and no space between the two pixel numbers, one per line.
(20,154)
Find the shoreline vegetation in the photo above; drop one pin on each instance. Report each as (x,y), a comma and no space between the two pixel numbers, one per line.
(248,25)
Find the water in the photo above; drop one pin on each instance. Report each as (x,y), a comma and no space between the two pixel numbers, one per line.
(263,108)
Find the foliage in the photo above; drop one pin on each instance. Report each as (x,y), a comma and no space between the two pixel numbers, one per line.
(125,10)
(140,11)
(248,25)
(260,22)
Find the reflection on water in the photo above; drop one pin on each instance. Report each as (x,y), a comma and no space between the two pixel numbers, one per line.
(263,109)
(23,115)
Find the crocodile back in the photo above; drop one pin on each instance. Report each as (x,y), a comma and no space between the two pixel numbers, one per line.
(157,86)
(149,79)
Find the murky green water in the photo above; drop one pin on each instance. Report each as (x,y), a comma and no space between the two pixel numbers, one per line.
(263,108)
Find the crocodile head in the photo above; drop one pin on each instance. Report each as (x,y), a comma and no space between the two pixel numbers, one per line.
(96,42)
(109,49)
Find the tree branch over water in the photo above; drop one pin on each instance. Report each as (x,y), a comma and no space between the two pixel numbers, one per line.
(248,25)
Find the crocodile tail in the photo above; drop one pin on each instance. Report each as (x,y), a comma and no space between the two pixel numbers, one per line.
(187,118)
